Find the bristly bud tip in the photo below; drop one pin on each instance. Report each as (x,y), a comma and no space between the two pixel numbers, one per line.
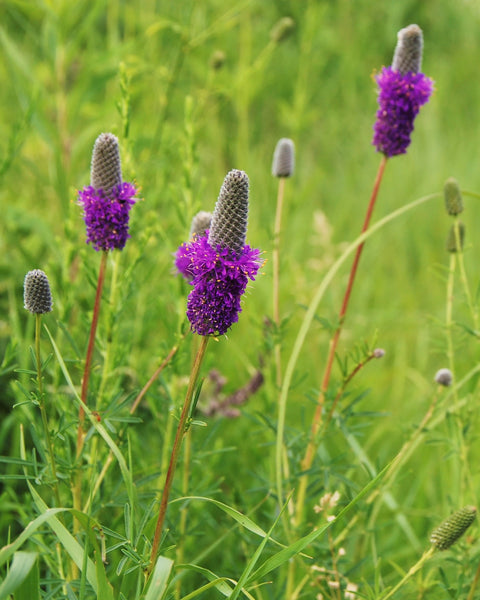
(229,221)
(446,534)
(283,158)
(200,223)
(106,168)
(453,197)
(36,292)
(409,49)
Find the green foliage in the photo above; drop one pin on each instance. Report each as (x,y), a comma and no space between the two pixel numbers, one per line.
(192,90)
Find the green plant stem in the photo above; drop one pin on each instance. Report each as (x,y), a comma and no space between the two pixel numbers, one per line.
(317,418)
(463,276)
(471,593)
(181,430)
(416,567)
(43,411)
(276,280)
(183,511)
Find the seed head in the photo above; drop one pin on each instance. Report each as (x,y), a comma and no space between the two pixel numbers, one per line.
(452,245)
(36,292)
(446,534)
(453,197)
(106,168)
(229,221)
(283,158)
(408,52)
(444,377)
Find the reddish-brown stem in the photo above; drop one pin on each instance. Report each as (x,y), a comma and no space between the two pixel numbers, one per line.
(181,429)
(90,347)
(317,417)
(77,488)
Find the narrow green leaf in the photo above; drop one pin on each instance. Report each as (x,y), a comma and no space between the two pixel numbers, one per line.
(105,590)
(159,579)
(30,588)
(20,568)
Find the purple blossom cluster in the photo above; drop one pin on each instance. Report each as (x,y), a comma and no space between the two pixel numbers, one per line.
(219,278)
(106,216)
(400,97)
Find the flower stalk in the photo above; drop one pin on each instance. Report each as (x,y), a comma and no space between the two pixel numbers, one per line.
(182,428)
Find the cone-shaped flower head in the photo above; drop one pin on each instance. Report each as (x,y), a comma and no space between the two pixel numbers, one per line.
(446,534)
(283,158)
(453,197)
(454,243)
(219,265)
(408,51)
(108,200)
(37,296)
(230,217)
(402,90)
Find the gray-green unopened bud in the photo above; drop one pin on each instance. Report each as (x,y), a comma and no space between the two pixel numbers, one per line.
(409,49)
(106,168)
(36,292)
(452,244)
(453,197)
(200,223)
(282,29)
(444,377)
(446,534)
(283,162)
(230,217)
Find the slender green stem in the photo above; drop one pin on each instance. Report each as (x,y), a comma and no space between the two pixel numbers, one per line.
(181,430)
(276,279)
(416,567)
(183,511)
(449,312)
(463,276)
(471,593)
(317,418)
(43,411)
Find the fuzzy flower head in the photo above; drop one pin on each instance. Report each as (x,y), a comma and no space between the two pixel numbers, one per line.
(402,90)
(37,296)
(218,265)
(108,200)
(283,162)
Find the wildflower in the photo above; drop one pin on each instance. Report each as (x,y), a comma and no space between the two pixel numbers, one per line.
(446,534)
(283,158)
(403,89)
(220,263)
(36,292)
(108,200)
(200,224)
(444,377)
(453,197)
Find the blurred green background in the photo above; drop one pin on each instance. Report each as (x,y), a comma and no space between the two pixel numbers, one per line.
(194,89)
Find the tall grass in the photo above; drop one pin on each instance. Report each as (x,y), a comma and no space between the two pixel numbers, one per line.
(193,90)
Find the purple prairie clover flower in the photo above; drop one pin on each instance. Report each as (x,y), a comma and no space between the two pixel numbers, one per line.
(106,217)
(402,90)
(108,200)
(218,265)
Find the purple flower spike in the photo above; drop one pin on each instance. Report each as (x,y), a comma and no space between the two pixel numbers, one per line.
(108,200)
(401,94)
(218,273)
